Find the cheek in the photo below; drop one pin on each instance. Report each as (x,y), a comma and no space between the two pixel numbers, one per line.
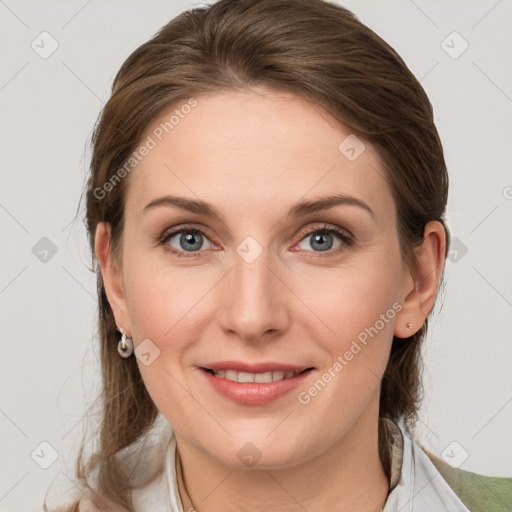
(161,297)
(350,299)
(356,306)
(164,305)
(150,305)
(359,312)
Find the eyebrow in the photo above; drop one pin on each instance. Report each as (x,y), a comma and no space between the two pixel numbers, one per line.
(300,209)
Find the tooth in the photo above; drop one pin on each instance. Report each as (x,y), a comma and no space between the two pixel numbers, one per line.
(263,378)
(245,377)
(277,375)
(231,375)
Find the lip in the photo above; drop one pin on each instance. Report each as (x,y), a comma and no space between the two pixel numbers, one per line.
(240,366)
(252,393)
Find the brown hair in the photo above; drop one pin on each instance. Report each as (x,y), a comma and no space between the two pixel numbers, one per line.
(313,49)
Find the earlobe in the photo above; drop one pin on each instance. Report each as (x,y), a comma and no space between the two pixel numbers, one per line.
(407,320)
(421,285)
(112,276)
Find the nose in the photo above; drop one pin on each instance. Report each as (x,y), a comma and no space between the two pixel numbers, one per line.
(253,304)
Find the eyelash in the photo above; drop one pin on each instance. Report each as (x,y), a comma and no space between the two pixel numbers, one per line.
(346,239)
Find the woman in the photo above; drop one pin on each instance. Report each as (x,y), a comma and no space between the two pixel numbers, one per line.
(265,207)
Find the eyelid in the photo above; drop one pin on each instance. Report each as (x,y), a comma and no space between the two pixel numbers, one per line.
(170,232)
(326,228)
(345,236)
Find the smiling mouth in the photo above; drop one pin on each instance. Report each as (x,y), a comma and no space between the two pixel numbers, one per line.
(258,378)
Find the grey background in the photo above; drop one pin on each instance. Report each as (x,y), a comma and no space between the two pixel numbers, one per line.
(49,366)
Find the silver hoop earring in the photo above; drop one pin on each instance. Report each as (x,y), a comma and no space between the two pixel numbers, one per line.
(125,346)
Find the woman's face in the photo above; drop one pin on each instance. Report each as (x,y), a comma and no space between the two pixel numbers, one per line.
(247,276)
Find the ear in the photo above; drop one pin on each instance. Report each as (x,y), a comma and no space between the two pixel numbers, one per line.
(112,276)
(421,285)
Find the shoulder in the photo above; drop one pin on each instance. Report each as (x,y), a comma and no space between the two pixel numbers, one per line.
(479,493)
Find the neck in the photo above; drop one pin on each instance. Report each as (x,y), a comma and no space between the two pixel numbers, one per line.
(348,476)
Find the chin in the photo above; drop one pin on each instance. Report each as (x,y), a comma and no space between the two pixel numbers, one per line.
(258,450)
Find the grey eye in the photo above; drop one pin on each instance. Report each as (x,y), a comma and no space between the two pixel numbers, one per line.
(319,241)
(188,241)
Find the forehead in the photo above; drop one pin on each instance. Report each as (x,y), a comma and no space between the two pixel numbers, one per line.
(239,148)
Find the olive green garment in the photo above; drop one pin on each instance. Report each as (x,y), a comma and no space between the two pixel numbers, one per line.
(479,493)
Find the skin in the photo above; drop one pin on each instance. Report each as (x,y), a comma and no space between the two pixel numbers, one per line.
(253,154)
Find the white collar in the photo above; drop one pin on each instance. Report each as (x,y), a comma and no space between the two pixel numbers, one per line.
(416,485)
(420,487)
